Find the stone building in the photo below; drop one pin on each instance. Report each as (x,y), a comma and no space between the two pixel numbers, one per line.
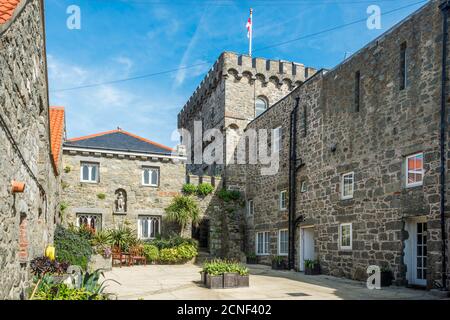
(361,160)
(28,157)
(115,177)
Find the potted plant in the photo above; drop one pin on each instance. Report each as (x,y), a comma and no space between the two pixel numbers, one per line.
(252,258)
(312,267)
(386,277)
(243,277)
(220,274)
(279,263)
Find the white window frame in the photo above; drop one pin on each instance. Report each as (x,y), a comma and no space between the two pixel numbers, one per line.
(96,217)
(413,184)
(150,184)
(350,196)
(303,187)
(342,247)
(90,165)
(279,242)
(250,207)
(277,139)
(266,243)
(283,208)
(148,217)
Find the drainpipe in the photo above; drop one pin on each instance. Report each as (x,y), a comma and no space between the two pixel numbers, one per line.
(292,184)
(445,6)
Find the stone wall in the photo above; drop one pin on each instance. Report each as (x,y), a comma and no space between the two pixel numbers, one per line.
(120,172)
(26,219)
(373,143)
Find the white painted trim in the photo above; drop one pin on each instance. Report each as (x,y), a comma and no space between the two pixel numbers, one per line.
(89,165)
(279,242)
(341,247)
(150,177)
(301,250)
(342,185)
(252,211)
(280,206)
(266,234)
(137,154)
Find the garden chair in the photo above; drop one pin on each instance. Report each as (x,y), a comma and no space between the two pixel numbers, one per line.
(118,255)
(137,256)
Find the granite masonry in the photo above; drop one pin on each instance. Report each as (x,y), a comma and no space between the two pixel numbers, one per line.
(371,124)
(26,218)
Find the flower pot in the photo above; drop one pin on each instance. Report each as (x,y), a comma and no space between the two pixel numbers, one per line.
(230,280)
(279,265)
(252,260)
(243,281)
(312,271)
(386,278)
(214,282)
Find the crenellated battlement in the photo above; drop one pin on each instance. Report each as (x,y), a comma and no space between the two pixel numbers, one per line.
(278,72)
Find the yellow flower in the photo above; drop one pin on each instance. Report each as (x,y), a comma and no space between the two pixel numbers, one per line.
(50,252)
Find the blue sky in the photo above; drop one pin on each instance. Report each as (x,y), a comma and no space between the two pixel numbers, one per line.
(125,38)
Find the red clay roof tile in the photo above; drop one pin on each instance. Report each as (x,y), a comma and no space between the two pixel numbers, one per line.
(7,8)
(56,132)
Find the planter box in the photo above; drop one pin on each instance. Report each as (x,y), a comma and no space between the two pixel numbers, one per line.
(97,261)
(214,282)
(279,266)
(230,280)
(312,271)
(386,279)
(243,281)
(252,260)
(203,277)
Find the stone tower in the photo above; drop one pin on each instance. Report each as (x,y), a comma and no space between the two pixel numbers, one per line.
(233,93)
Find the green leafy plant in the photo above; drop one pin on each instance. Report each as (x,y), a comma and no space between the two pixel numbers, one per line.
(229,195)
(42,265)
(278,259)
(67,169)
(183,210)
(179,254)
(72,247)
(311,263)
(173,240)
(151,252)
(101,196)
(123,237)
(64,185)
(189,189)
(204,189)
(218,267)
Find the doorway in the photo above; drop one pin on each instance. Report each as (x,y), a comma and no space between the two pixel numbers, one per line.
(200,233)
(416,252)
(307,251)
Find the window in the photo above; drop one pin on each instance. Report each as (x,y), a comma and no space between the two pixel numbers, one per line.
(303,187)
(260,106)
(149,227)
(262,243)
(414,170)
(89,172)
(283,200)
(357,90)
(150,177)
(403,66)
(345,236)
(277,139)
(347,186)
(283,242)
(93,221)
(250,208)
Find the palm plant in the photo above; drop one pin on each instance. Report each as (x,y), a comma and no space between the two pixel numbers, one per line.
(123,237)
(183,210)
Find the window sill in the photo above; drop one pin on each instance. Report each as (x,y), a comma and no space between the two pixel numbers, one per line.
(283,209)
(89,182)
(282,254)
(263,254)
(149,185)
(412,186)
(347,198)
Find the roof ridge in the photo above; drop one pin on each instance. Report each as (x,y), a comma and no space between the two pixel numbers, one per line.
(120,131)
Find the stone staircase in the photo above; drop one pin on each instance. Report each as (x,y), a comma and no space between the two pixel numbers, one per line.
(202,257)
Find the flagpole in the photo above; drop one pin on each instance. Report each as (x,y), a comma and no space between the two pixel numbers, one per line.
(251,33)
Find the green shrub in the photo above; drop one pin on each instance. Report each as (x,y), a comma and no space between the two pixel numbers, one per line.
(183,210)
(123,237)
(189,188)
(229,195)
(179,254)
(173,241)
(101,196)
(151,252)
(204,189)
(72,247)
(219,267)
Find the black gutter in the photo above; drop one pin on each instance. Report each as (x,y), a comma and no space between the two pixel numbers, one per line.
(445,6)
(292,184)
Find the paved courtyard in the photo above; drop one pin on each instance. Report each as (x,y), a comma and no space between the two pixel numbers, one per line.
(183,282)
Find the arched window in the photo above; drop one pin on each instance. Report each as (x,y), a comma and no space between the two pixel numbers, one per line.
(260,106)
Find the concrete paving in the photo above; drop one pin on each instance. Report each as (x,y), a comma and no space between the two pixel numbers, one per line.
(172,282)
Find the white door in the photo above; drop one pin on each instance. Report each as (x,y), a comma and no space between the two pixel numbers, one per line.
(306,246)
(416,252)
